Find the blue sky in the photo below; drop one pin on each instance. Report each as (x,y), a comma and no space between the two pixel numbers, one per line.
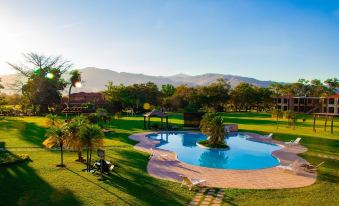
(270,39)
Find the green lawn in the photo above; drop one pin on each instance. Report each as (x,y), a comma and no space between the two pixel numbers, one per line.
(39,182)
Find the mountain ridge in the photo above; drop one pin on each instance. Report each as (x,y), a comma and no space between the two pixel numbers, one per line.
(95,79)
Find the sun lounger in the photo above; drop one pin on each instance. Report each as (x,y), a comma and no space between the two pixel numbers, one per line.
(268,136)
(190,182)
(291,167)
(295,142)
(154,155)
(311,168)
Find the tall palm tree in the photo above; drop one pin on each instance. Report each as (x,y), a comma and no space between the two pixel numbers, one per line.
(91,137)
(57,136)
(74,79)
(75,142)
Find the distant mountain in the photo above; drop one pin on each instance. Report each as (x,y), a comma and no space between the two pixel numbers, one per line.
(95,79)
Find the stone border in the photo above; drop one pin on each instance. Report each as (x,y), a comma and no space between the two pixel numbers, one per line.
(269,178)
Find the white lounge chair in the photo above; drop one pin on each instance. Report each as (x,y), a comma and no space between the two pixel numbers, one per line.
(268,136)
(295,142)
(311,168)
(190,182)
(154,155)
(291,167)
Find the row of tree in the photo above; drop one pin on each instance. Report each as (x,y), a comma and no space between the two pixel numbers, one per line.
(43,91)
(303,87)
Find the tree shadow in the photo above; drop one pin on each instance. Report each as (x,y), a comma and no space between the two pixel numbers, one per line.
(131,179)
(20,185)
(28,131)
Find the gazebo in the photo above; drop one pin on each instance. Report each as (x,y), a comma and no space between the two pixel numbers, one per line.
(155,113)
(327,116)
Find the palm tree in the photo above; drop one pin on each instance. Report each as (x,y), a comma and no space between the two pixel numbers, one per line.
(52,120)
(91,137)
(212,126)
(74,80)
(75,142)
(57,136)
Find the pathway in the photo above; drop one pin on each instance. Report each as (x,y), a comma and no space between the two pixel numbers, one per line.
(208,197)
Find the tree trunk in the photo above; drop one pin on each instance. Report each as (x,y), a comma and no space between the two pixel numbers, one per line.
(87,160)
(62,154)
(80,159)
(90,157)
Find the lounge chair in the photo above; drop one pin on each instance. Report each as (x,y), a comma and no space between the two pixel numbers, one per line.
(190,182)
(295,142)
(291,167)
(154,155)
(268,136)
(311,168)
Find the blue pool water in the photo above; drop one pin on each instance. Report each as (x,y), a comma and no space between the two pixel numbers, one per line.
(243,154)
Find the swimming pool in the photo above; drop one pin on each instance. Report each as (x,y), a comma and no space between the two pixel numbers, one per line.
(243,154)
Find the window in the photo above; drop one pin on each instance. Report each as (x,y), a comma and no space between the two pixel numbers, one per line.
(279,107)
(285,108)
(325,109)
(285,101)
(296,101)
(295,108)
(331,101)
(302,101)
(279,100)
(331,110)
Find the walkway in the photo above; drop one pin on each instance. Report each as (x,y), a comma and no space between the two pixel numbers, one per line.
(270,178)
(208,197)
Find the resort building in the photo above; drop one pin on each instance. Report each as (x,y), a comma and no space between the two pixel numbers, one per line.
(81,98)
(308,105)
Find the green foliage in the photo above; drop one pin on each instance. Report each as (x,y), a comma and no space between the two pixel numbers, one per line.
(212,126)
(91,137)
(167,90)
(44,82)
(133,96)
(304,87)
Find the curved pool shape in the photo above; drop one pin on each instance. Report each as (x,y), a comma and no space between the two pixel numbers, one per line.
(243,154)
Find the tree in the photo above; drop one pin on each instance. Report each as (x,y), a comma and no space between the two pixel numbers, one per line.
(214,96)
(75,142)
(44,83)
(333,84)
(212,126)
(52,120)
(57,135)
(243,96)
(167,90)
(91,137)
(74,81)
(2,98)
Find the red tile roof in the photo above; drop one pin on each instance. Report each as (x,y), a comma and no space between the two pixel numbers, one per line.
(336,96)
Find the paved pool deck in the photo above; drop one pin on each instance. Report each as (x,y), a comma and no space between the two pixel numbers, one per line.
(270,178)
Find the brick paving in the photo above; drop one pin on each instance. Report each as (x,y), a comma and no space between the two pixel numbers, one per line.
(208,197)
(270,178)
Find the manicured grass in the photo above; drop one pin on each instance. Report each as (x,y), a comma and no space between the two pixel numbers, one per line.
(326,189)
(39,182)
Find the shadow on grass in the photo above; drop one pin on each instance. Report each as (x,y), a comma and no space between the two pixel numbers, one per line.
(133,181)
(28,131)
(20,185)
